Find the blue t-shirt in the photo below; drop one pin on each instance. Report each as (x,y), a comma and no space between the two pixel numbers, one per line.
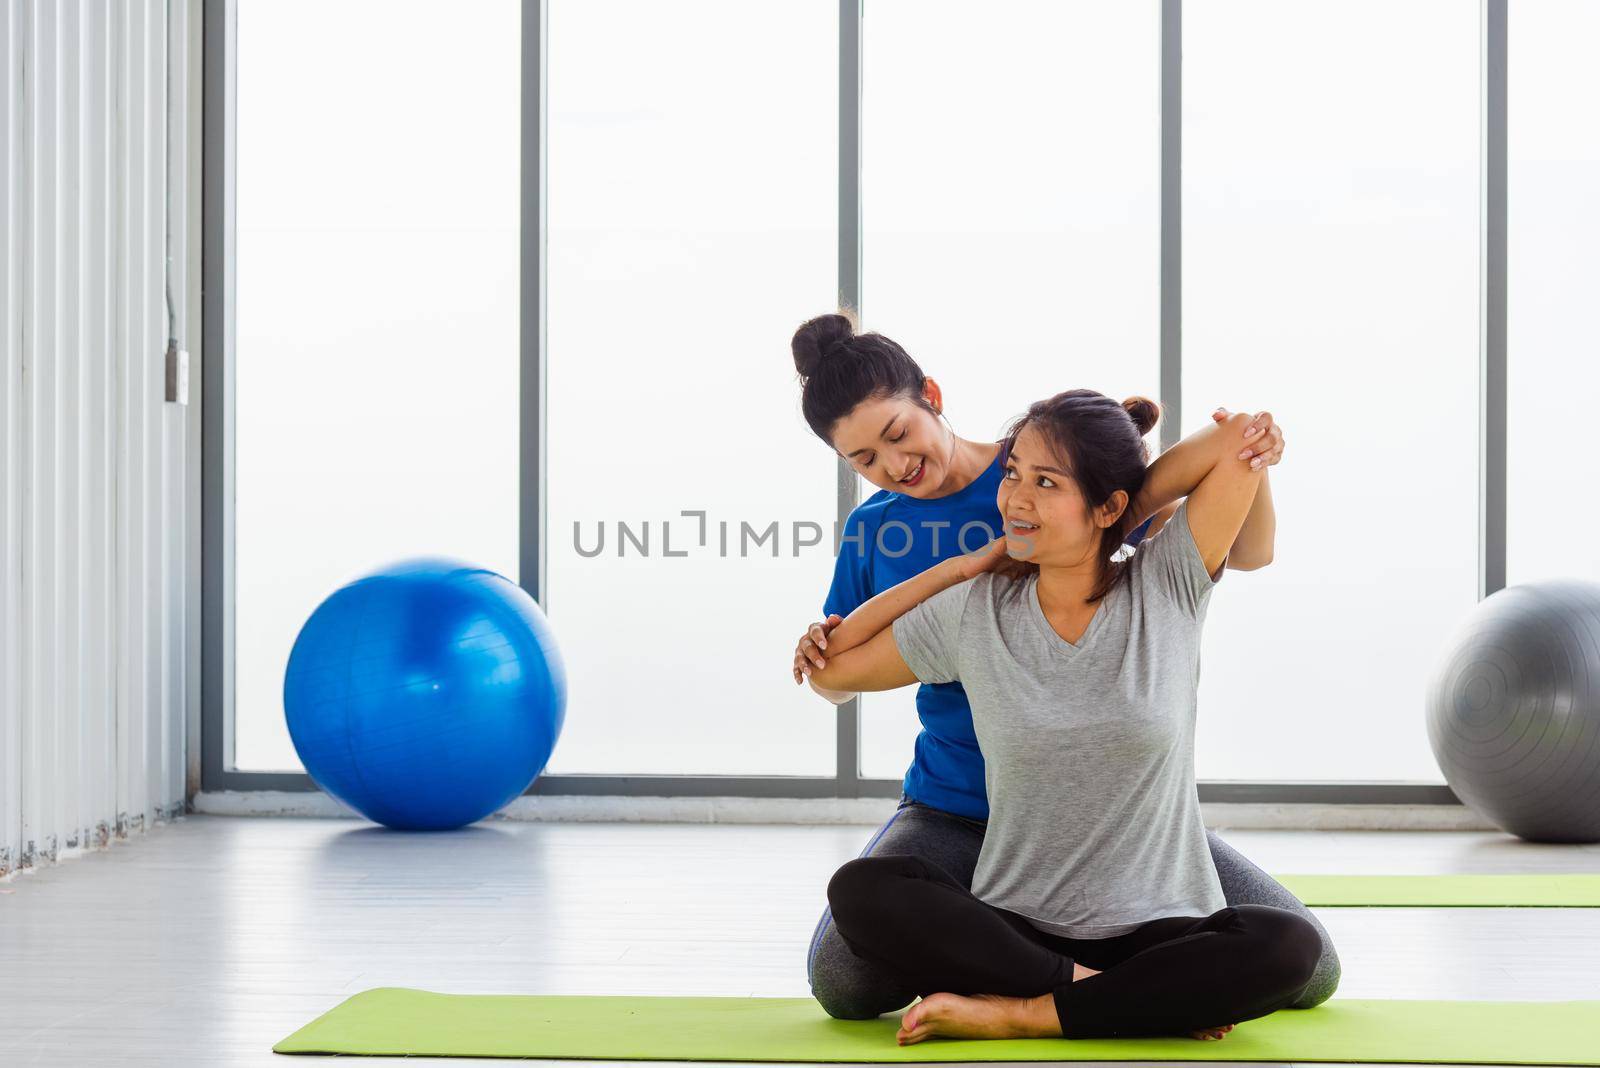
(888,538)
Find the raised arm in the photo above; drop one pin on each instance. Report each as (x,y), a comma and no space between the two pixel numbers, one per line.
(1174,475)
(1179,470)
(1252,549)
(1226,491)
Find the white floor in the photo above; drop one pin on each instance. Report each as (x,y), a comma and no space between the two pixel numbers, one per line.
(204,942)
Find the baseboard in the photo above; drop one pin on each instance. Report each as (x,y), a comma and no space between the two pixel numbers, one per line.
(97,839)
(863,811)
(1242,816)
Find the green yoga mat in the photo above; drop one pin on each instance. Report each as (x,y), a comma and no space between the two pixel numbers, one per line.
(1446,891)
(398,1022)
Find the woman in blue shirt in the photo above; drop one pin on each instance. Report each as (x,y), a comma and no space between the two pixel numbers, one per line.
(867,399)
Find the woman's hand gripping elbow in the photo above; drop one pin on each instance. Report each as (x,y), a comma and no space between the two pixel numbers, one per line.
(808,656)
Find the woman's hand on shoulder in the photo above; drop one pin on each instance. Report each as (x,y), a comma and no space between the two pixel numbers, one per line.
(808,651)
(971,565)
(1264,438)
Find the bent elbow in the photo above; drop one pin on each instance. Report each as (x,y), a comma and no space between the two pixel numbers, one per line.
(836,697)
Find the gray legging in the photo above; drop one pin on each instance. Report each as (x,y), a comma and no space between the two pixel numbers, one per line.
(850,988)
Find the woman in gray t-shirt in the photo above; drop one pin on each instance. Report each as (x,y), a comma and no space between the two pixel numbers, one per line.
(1095,908)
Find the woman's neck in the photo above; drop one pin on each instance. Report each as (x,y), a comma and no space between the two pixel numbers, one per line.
(970,459)
(1067,589)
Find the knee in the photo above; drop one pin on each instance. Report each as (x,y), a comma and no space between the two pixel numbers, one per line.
(845,1003)
(1324,980)
(857,886)
(848,988)
(1289,946)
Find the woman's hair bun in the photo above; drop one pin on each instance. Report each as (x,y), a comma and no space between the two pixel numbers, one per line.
(817,337)
(1144,412)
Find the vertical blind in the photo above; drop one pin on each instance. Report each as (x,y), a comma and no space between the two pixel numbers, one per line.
(94,469)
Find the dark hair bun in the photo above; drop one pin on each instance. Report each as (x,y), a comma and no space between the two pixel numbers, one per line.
(816,338)
(1144,412)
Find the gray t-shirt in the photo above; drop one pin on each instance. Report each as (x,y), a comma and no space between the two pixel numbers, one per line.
(1094,816)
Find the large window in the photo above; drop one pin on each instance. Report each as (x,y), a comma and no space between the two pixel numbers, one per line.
(692,206)
(1330,229)
(1552,336)
(692,159)
(1011,217)
(376,350)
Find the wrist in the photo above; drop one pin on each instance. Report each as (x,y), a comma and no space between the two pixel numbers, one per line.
(957,569)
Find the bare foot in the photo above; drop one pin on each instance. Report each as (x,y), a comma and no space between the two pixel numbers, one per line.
(979,1016)
(994,1016)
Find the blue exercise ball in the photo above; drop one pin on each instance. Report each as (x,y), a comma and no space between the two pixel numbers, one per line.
(427,694)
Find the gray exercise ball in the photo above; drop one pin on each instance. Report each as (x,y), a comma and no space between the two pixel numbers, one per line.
(1514,711)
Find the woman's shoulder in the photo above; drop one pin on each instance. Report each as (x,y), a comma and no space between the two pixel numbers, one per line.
(873,505)
(998,592)
(868,515)
(872,510)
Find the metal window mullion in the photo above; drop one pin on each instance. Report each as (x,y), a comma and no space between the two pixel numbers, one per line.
(848,734)
(1492,438)
(532,503)
(1171,269)
(219,96)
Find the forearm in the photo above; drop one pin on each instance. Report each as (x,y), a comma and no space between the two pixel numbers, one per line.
(1253,547)
(1176,472)
(876,614)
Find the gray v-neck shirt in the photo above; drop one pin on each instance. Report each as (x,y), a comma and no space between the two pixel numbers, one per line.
(1094,816)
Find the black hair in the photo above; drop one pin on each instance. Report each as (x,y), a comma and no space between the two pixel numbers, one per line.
(839,368)
(1103,445)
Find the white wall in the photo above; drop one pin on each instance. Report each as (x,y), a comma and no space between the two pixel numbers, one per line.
(95,467)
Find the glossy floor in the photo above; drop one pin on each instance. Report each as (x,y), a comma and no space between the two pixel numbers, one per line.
(205,941)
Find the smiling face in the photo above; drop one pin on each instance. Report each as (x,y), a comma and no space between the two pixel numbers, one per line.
(1047,520)
(898,444)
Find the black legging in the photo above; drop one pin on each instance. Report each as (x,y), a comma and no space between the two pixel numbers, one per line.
(1169,976)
